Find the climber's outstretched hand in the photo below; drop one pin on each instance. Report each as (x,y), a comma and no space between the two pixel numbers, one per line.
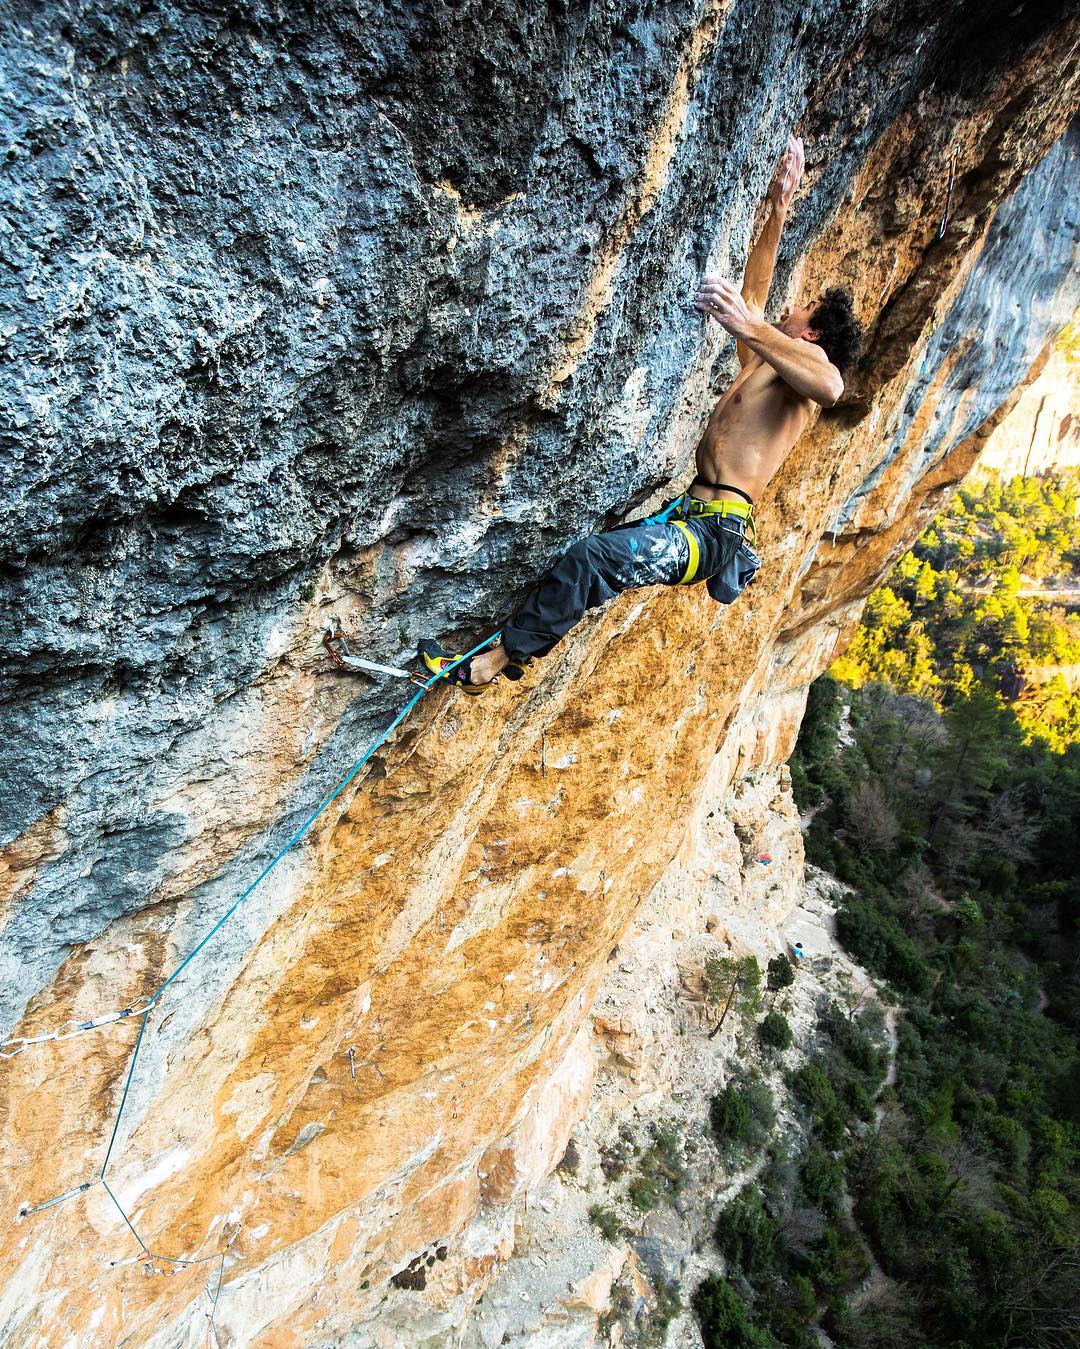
(788,175)
(722,301)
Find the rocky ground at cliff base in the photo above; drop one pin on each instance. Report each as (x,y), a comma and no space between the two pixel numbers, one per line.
(568,1284)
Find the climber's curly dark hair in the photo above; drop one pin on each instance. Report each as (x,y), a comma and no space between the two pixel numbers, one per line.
(841,333)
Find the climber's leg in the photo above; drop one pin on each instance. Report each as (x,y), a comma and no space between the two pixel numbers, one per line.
(485,665)
(595,569)
(643,553)
(468,673)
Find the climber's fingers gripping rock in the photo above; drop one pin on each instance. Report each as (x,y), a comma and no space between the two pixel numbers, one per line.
(720,300)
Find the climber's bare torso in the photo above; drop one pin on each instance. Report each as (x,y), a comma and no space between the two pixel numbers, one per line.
(751,431)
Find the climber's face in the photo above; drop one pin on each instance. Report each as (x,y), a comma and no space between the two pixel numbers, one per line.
(799,322)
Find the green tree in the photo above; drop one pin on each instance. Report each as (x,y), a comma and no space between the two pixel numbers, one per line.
(731,982)
(775,1031)
(780,973)
(721,1315)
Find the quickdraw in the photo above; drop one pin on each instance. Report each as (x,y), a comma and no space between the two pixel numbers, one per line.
(948,195)
(20,1042)
(337,648)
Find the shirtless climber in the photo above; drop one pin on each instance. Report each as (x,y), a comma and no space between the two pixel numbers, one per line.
(787,367)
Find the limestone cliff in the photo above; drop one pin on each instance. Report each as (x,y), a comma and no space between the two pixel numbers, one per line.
(368,310)
(1043,429)
(661,1057)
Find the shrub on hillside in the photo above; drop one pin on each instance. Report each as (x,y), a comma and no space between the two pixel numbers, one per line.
(730,1117)
(774,1031)
(721,1315)
(745,1234)
(607,1220)
(781,974)
(742,1114)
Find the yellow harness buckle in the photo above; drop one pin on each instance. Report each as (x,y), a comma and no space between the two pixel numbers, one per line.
(722,507)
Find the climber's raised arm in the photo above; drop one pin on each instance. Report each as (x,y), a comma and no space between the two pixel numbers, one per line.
(759,266)
(799,361)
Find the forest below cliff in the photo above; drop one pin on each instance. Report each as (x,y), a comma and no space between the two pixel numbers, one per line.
(988,595)
(943,794)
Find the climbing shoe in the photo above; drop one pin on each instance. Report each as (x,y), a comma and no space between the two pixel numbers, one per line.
(436,658)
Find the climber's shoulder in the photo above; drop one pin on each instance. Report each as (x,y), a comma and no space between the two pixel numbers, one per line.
(763,377)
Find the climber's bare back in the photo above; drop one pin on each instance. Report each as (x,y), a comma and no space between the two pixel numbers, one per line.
(751,431)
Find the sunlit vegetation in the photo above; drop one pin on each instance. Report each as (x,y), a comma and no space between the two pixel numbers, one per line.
(989,595)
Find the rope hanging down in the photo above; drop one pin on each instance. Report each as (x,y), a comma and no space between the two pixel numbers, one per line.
(12,1047)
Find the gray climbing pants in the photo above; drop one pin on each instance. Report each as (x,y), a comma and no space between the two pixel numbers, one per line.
(674,547)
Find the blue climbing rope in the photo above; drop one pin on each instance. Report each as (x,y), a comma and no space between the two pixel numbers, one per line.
(145,1012)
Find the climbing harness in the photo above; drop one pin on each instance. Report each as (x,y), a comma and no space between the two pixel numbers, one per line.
(948,195)
(694,560)
(740,569)
(723,487)
(687,507)
(16,1046)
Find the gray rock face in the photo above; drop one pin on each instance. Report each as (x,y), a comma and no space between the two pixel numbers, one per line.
(290,287)
(663,1246)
